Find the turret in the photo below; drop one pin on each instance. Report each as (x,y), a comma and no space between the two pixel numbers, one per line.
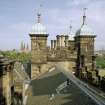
(84,40)
(38,37)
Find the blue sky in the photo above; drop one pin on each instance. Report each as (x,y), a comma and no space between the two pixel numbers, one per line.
(18,16)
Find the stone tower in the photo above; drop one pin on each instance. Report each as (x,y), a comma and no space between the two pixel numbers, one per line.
(22,47)
(84,40)
(38,47)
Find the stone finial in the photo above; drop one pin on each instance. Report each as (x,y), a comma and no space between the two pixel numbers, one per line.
(39,14)
(84,15)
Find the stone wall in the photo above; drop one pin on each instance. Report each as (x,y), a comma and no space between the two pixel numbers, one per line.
(6,79)
(38,70)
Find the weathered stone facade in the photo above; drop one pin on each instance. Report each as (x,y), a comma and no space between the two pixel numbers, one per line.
(38,52)
(6,81)
(12,82)
(85,53)
(44,58)
(19,77)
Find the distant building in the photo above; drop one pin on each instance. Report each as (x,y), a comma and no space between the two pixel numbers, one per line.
(24,47)
(100,52)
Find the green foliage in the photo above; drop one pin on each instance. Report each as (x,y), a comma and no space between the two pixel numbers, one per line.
(100,61)
(21,56)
